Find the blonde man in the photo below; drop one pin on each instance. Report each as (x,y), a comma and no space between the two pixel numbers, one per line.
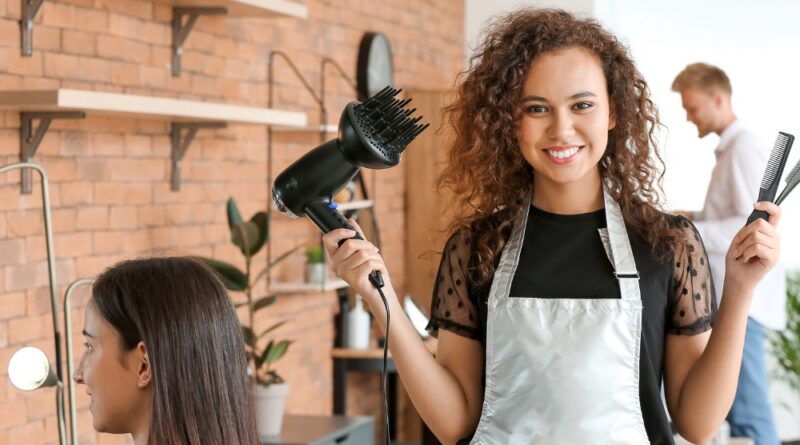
(741,158)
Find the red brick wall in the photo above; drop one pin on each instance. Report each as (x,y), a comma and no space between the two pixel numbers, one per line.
(110,175)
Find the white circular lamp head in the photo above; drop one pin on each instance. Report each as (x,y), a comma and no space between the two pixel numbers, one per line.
(29,369)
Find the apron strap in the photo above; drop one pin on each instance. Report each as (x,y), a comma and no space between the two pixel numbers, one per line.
(622,256)
(509,257)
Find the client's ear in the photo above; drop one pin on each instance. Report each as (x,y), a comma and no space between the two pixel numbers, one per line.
(145,371)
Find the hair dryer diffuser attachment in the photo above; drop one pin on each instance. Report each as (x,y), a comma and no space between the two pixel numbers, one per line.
(372,134)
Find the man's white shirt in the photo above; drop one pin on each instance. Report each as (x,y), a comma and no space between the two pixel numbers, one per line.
(735,180)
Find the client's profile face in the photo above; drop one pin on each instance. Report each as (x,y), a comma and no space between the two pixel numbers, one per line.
(110,374)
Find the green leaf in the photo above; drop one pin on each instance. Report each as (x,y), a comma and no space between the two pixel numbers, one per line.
(264,302)
(262,223)
(248,336)
(261,358)
(274,353)
(234,217)
(315,254)
(245,235)
(271,328)
(275,377)
(233,278)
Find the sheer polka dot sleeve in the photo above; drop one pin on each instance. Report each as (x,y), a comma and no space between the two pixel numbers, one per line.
(693,306)
(451,306)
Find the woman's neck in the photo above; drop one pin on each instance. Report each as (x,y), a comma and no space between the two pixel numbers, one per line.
(143,418)
(141,437)
(574,198)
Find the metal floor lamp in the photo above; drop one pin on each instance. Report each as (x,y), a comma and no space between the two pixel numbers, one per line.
(29,367)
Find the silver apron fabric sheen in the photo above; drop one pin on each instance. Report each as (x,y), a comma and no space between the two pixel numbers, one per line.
(564,371)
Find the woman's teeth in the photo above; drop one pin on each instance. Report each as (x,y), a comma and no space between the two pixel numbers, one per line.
(563,154)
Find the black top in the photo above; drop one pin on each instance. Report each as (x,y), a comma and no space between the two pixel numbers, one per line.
(563,257)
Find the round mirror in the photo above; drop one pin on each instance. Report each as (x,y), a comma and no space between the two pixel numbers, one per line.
(374,68)
(29,369)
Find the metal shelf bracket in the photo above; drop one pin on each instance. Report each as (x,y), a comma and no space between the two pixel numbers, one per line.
(29,10)
(181,144)
(181,30)
(30,137)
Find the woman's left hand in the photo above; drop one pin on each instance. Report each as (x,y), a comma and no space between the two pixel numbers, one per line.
(754,250)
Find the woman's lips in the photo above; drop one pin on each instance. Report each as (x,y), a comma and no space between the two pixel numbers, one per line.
(563,154)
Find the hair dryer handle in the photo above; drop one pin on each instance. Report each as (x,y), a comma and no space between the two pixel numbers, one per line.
(325,215)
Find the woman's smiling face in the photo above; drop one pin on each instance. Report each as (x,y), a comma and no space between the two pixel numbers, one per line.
(565,120)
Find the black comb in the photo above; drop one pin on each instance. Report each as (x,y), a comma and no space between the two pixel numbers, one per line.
(792,179)
(772,175)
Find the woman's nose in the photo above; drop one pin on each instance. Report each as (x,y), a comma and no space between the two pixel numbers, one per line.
(77,375)
(562,127)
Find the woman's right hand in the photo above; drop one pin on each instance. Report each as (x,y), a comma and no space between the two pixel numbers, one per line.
(354,260)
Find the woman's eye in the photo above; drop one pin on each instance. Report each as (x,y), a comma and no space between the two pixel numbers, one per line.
(87,347)
(583,105)
(536,109)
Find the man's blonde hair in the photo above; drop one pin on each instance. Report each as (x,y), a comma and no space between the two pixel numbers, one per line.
(702,76)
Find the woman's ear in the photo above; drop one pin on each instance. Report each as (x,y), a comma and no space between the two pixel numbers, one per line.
(144,370)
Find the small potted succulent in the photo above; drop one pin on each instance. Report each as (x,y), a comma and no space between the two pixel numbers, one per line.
(270,388)
(316,270)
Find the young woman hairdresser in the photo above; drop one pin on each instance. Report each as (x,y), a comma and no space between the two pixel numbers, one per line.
(563,296)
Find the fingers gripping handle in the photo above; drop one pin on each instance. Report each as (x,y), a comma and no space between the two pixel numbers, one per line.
(326,216)
(763,195)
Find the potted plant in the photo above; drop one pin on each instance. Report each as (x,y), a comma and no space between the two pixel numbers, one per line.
(316,269)
(270,388)
(786,343)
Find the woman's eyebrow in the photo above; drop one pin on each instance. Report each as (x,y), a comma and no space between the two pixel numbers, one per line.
(580,95)
(86,334)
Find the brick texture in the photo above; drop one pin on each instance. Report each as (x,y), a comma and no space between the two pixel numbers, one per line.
(110,175)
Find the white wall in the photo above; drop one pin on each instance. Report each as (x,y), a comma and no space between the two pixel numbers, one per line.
(477,12)
(756,43)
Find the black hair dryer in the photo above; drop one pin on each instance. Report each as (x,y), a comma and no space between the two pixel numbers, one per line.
(372,134)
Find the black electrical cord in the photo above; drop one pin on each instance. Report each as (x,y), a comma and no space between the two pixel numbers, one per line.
(385,360)
(377,280)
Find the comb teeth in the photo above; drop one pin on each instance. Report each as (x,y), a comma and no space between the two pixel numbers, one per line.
(777,160)
(793,175)
(388,121)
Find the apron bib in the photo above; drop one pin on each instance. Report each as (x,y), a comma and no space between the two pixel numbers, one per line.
(564,371)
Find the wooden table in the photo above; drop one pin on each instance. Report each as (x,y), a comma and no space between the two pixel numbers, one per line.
(367,360)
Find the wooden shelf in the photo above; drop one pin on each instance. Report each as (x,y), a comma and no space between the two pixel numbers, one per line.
(330,129)
(300,288)
(355,205)
(63,99)
(249,8)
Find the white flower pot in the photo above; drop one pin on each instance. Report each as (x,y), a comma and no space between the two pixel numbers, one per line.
(316,272)
(269,408)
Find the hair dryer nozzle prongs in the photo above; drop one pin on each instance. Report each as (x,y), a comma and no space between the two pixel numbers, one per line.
(387,94)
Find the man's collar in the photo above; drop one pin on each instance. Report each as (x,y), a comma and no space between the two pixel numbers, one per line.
(728,134)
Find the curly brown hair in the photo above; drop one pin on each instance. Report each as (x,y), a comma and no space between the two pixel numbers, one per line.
(486,171)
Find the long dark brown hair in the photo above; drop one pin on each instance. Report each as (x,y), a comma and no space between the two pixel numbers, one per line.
(486,170)
(182,313)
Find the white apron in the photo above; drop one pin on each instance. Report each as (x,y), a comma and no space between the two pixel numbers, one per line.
(564,371)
